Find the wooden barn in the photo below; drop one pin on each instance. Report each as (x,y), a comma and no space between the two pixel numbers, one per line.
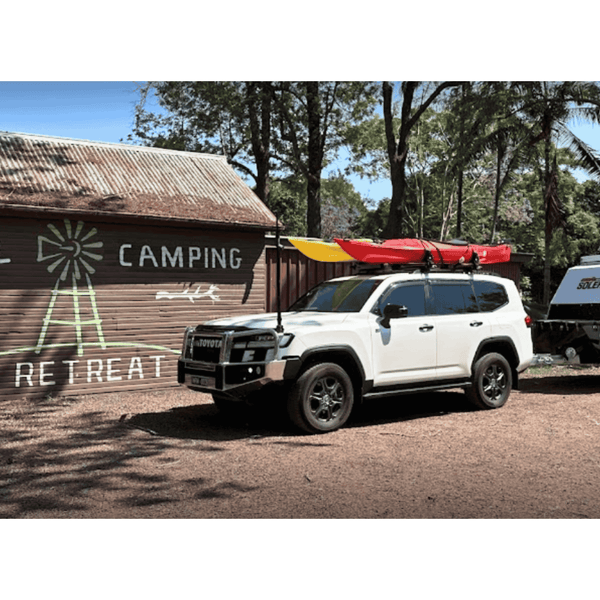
(108,251)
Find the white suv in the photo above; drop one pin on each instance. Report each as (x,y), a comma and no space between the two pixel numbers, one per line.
(364,336)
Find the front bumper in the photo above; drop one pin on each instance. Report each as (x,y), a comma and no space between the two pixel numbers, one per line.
(235,380)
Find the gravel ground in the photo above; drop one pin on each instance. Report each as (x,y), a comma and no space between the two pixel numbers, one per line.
(170,454)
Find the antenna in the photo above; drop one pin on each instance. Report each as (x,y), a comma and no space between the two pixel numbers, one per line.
(279,328)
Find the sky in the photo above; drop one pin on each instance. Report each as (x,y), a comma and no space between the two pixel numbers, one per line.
(103,112)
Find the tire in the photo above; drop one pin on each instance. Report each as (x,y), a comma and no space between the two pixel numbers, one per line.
(492,382)
(321,400)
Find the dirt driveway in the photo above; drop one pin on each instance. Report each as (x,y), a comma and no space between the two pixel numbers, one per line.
(170,454)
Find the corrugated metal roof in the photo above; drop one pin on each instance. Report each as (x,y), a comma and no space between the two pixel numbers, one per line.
(65,173)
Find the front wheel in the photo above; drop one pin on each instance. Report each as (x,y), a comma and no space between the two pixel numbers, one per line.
(492,382)
(322,399)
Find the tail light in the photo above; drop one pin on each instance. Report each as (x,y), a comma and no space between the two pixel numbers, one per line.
(528,321)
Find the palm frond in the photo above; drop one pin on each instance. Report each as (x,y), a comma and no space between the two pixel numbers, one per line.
(585,114)
(588,159)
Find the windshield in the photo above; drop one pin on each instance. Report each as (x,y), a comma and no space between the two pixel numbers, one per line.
(348,295)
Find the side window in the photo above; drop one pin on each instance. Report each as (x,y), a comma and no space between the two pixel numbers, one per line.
(490,295)
(451,298)
(411,295)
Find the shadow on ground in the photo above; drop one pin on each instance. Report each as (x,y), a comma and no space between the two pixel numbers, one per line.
(204,422)
(563,385)
(58,466)
(59,463)
(407,408)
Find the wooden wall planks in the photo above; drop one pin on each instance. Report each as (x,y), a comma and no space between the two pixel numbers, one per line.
(92,306)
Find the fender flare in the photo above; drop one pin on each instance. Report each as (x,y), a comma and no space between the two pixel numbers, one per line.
(501,340)
(296,364)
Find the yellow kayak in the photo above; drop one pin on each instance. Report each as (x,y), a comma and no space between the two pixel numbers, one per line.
(319,250)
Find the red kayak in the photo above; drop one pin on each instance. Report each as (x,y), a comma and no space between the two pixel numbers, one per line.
(413,250)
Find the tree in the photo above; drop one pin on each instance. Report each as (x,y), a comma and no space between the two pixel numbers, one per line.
(313,117)
(486,126)
(465,89)
(342,207)
(287,199)
(397,149)
(431,177)
(580,235)
(372,223)
(590,197)
(551,106)
(265,129)
(230,118)
(259,97)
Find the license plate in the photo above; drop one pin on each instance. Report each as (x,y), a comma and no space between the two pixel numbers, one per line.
(203,381)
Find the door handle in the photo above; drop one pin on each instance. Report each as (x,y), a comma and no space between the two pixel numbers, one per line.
(426,328)
(476,323)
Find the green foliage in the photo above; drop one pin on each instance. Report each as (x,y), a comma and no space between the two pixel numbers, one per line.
(342,207)
(581,235)
(287,199)
(498,138)
(590,197)
(267,130)
(366,143)
(372,223)
(190,115)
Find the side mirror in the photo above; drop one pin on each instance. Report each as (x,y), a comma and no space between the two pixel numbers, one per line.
(393,311)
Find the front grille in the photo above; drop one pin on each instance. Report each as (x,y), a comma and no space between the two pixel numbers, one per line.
(206,349)
(246,346)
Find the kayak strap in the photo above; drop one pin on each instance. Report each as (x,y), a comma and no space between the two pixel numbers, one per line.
(429,260)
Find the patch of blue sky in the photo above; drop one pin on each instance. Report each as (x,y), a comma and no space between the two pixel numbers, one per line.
(103,111)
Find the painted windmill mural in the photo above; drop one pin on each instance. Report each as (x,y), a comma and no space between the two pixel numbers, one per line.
(71,253)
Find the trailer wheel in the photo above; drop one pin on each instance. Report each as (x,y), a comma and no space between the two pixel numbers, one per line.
(492,382)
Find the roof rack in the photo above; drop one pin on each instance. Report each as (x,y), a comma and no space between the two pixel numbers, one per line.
(425,266)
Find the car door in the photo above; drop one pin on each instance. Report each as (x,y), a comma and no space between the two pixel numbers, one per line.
(405,351)
(460,326)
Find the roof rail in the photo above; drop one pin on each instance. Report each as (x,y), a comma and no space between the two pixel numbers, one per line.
(425,266)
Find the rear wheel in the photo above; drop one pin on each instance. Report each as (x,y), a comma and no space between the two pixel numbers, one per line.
(492,382)
(322,399)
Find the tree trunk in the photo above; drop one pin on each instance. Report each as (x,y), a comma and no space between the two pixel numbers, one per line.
(396,226)
(421,213)
(397,154)
(315,160)
(446,218)
(259,99)
(459,191)
(497,191)
(547,229)
(547,264)
(459,198)
(398,223)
